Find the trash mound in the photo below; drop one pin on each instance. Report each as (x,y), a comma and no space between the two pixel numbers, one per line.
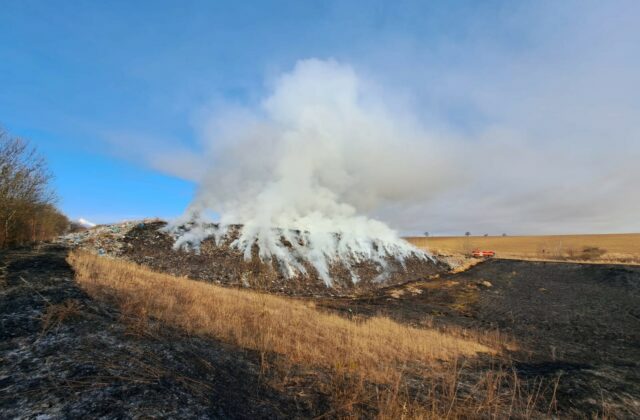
(147,244)
(104,239)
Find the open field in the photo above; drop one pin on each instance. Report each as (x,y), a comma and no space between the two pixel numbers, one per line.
(115,339)
(267,323)
(623,248)
(575,323)
(374,350)
(106,337)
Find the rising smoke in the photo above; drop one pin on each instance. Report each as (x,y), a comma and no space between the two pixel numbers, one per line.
(318,154)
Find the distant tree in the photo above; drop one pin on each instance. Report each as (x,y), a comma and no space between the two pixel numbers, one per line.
(504,234)
(486,234)
(467,234)
(27,211)
(426,234)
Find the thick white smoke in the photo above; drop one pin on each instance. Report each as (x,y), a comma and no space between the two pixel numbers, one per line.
(318,154)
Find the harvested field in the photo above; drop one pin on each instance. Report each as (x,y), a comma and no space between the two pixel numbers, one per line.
(622,248)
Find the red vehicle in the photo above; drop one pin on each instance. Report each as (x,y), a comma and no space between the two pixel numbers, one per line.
(483,253)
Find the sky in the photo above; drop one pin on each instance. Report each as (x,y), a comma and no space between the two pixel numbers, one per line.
(531,107)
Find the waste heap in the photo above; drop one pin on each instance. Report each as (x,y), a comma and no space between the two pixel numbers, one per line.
(104,239)
(147,244)
(144,242)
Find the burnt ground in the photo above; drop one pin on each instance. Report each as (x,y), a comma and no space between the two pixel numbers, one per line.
(67,356)
(64,355)
(579,322)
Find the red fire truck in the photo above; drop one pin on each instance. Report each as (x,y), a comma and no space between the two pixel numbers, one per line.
(480,253)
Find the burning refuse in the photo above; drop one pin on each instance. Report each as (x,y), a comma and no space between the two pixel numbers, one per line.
(298,175)
(146,242)
(293,251)
(291,187)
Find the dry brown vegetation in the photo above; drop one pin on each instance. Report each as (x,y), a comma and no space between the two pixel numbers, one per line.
(373,363)
(624,248)
(56,314)
(27,213)
(270,323)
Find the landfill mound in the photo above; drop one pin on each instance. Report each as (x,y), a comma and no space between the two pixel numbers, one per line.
(147,244)
(104,239)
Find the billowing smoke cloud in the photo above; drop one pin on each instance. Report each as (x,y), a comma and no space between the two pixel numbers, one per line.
(320,152)
(536,106)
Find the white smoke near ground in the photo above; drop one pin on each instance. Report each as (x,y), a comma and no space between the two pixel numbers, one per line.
(300,172)
(86,223)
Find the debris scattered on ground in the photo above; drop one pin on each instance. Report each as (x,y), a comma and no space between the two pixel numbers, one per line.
(458,262)
(103,239)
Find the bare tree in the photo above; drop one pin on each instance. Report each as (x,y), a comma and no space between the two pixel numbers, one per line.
(27,212)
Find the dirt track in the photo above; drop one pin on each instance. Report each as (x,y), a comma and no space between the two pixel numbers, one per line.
(577,321)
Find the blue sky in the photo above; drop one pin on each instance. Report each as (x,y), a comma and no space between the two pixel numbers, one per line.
(97,85)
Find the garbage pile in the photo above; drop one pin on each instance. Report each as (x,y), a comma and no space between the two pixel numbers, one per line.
(146,243)
(104,239)
(224,264)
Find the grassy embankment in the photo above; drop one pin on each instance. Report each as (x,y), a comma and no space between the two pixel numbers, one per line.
(372,362)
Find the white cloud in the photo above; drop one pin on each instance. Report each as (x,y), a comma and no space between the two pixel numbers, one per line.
(528,128)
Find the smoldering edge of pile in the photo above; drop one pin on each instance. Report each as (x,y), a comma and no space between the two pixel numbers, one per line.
(148,245)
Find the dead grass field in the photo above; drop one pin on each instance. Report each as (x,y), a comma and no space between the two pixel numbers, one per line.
(376,350)
(612,247)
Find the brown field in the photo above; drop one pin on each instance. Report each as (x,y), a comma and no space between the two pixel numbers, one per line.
(372,350)
(603,248)
(264,322)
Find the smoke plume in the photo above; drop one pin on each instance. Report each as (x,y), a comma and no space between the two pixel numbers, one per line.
(317,155)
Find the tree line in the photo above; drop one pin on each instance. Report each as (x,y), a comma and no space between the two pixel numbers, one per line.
(27,200)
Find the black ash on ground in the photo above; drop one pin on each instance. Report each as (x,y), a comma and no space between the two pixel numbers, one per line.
(64,355)
(575,323)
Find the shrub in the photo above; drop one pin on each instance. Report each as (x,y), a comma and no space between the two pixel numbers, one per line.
(592,253)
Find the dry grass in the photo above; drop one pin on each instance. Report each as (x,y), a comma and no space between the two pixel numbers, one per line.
(374,363)
(269,323)
(56,314)
(617,247)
